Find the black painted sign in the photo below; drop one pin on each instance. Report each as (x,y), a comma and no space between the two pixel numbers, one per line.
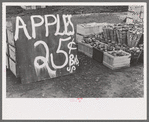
(45,46)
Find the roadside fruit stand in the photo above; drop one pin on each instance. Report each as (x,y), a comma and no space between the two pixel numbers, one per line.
(115,45)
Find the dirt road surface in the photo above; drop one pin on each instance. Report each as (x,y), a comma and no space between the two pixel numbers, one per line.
(92,80)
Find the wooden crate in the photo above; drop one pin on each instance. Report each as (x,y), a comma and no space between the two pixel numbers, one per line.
(13,66)
(86,49)
(12,52)
(116,62)
(79,38)
(97,55)
(90,28)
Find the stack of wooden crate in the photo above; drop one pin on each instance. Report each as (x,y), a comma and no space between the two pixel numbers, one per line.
(11,62)
(84,30)
(102,56)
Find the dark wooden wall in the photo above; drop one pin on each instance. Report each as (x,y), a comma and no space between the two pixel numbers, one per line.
(26,52)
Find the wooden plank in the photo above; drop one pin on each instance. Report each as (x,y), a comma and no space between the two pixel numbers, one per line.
(90,28)
(79,38)
(13,66)
(89,51)
(115,67)
(9,25)
(46,56)
(108,59)
(7,49)
(7,62)
(97,55)
(118,57)
(10,37)
(12,52)
(86,49)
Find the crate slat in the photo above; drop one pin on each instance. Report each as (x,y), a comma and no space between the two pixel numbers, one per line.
(115,67)
(12,52)
(10,37)
(86,49)
(7,62)
(90,28)
(79,38)
(6,48)
(13,66)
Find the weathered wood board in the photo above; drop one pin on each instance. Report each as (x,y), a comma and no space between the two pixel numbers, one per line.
(7,62)
(79,38)
(12,52)
(9,32)
(90,28)
(86,49)
(97,55)
(7,48)
(13,67)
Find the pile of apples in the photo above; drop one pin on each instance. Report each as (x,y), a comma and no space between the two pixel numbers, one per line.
(135,50)
(98,41)
(117,53)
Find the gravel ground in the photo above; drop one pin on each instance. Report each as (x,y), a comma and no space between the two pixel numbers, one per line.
(92,79)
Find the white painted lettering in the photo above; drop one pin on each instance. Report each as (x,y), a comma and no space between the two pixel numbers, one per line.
(52,73)
(36,24)
(70,44)
(72,62)
(58,27)
(60,51)
(23,26)
(70,22)
(66,24)
(48,24)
